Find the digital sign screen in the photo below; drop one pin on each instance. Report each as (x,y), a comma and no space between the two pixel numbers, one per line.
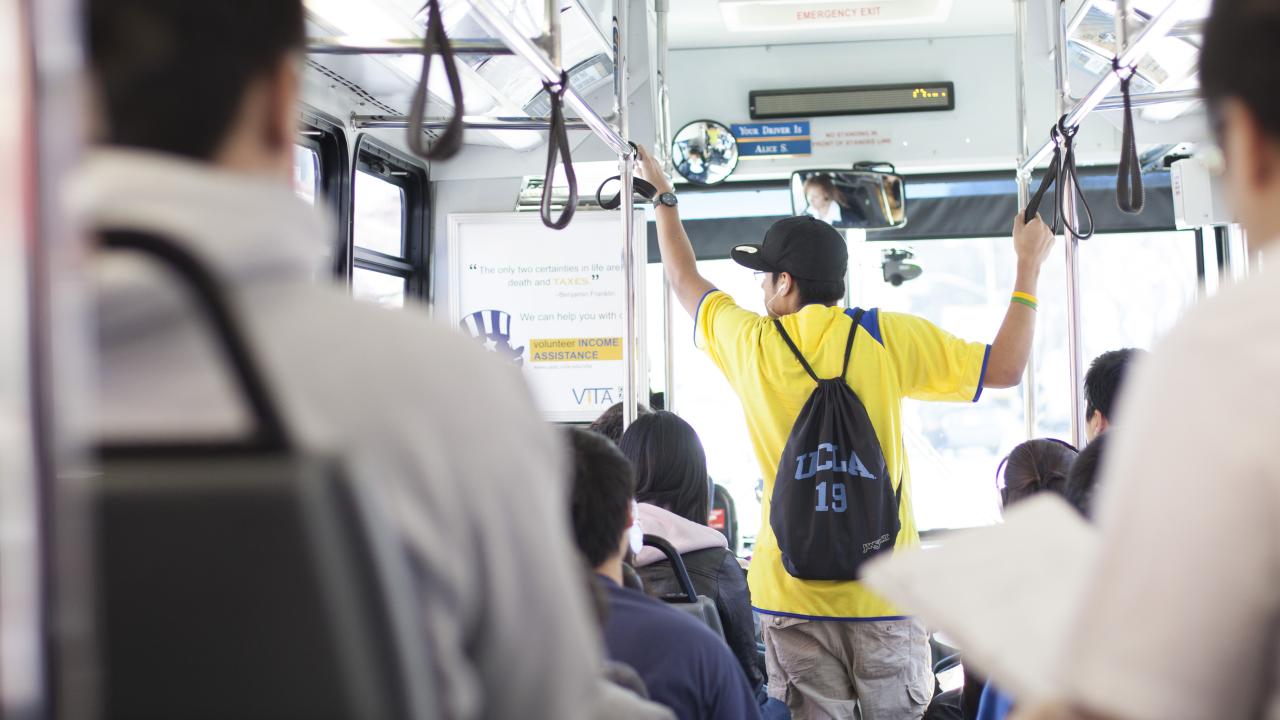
(856,100)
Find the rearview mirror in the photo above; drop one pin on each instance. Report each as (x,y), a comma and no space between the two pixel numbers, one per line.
(864,199)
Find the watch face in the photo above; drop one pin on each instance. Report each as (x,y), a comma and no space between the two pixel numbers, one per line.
(667,198)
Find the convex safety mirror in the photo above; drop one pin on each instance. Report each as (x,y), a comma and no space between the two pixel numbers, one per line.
(861,198)
(704,152)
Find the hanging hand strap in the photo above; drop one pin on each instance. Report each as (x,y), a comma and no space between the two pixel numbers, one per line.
(1050,175)
(1130,193)
(1063,177)
(558,144)
(639,187)
(1069,181)
(435,41)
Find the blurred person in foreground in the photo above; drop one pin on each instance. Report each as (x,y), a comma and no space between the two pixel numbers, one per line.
(197,109)
(1181,615)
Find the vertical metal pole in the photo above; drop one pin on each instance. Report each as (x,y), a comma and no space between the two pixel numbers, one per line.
(626,168)
(22,597)
(1024,181)
(664,93)
(663,154)
(1122,26)
(1072,248)
(552,36)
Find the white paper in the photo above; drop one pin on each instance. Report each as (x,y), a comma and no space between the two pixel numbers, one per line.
(1007,594)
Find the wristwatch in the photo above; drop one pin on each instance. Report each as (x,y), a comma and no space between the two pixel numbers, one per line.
(666,198)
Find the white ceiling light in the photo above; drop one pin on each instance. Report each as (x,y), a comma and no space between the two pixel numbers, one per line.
(762,15)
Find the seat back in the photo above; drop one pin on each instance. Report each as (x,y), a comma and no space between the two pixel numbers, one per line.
(700,607)
(245,579)
(724,515)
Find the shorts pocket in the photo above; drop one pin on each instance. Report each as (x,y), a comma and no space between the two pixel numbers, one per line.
(883,649)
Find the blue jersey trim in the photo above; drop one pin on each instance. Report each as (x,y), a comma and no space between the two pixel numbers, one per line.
(778,613)
(870,322)
(698,312)
(982,379)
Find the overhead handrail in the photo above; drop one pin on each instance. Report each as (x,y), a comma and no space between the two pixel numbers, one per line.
(525,48)
(436,41)
(470,122)
(558,144)
(1130,193)
(401,46)
(1156,29)
(1062,175)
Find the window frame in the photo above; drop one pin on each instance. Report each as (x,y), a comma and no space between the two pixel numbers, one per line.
(325,135)
(395,168)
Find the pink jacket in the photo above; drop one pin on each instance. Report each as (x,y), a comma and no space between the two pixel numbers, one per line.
(686,535)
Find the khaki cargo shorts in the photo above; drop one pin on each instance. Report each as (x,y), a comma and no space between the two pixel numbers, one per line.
(828,669)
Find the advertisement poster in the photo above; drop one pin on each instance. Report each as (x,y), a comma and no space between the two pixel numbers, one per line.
(551,302)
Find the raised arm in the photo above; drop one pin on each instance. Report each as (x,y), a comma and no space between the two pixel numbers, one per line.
(678,260)
(1011,349)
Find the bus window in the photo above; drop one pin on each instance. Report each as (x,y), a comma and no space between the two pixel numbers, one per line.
(379,219)
(1133,288)
(953,448)
(306,173)
(378,287)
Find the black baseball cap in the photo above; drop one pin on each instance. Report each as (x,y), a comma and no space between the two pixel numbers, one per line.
(804,246)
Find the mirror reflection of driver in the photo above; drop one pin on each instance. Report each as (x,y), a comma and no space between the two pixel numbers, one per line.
(826,203)
(694,168)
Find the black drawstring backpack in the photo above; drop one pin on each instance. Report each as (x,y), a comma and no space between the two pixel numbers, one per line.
(833,504)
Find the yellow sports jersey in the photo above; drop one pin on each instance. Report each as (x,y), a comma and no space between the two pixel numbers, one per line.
(895,356)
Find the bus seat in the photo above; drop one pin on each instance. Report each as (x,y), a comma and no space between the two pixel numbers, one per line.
(724,515)
(244,578)
(689,601)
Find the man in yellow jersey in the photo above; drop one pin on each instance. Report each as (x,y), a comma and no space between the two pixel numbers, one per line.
(833,647)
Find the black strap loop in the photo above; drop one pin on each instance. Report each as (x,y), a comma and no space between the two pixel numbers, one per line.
(1130,193)
(1063,176)
(848,348)
(558,144)
(799,355)
(435,41)
(211,300)
(639,187)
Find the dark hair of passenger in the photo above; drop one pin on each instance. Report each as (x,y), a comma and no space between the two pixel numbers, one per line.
(603,487)
(609,424)
(171,75)
(671,466)
(817,292)
(1239,57)
(1083,476)
(1103,380)
(1035,466)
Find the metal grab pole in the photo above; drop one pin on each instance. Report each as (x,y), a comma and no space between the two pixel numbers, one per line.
(1072,246)
(631,347)
(663,154)
(1024,183)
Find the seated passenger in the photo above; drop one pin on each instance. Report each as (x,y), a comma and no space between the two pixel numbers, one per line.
(197,123)
(1083,476)
(609,424)
(1102,385)
(683,664)
(675,502)
(1035,466)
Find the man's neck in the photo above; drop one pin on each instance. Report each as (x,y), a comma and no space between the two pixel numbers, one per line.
(612,569)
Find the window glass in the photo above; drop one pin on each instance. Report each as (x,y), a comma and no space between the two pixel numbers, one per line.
(377,287)
(306,173)
(1133,288)
(379,215)
(953,448)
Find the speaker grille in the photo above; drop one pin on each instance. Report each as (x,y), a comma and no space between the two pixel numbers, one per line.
(864,100)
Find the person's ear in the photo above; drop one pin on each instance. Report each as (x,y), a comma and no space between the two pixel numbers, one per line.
(282,106)
(1249,152)
(785,283)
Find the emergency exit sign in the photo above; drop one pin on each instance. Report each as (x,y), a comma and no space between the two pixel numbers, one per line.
(773,139)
